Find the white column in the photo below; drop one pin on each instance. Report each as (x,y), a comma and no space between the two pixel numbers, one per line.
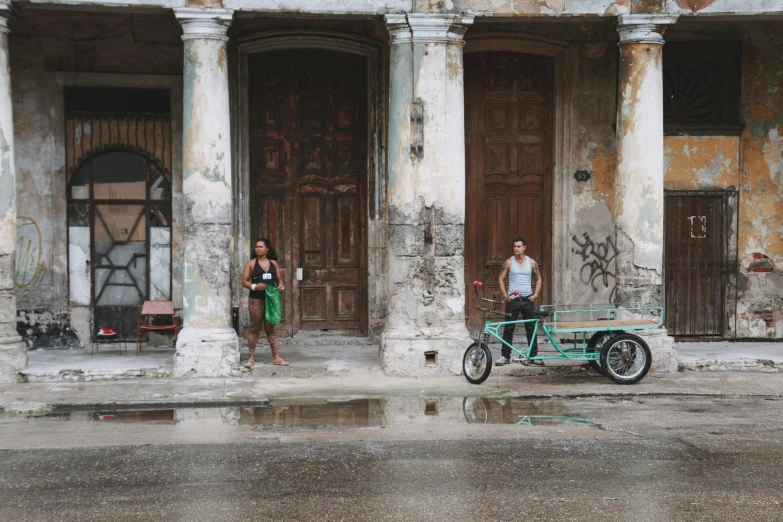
(426,196)
(638,210)
(13,354)
(207,346)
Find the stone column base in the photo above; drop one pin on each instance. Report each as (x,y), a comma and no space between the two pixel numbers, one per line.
(664,355)
(13,357)
(206,353)
(405,355)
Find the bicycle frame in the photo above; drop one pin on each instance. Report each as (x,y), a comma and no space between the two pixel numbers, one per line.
(493,329)
(582,354)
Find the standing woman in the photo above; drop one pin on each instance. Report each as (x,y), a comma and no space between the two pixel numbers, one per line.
(261,271)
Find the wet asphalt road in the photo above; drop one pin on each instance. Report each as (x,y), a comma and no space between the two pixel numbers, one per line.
(653,459)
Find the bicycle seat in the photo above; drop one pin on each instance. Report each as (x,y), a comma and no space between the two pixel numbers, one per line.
(541,315)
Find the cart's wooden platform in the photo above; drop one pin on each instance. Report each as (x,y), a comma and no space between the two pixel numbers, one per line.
(613,324)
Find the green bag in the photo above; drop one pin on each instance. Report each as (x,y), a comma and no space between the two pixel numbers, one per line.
(272,304)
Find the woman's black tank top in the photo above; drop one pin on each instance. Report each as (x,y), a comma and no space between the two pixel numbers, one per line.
(258,277)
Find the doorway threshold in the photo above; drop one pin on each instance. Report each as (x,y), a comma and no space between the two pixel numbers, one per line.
(327,337)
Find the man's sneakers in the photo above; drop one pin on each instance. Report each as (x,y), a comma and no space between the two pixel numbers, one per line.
(502,361)
(505,360)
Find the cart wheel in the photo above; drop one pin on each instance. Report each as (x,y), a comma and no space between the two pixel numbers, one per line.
(626,358)
(477,363)
(476,410)
(597,342)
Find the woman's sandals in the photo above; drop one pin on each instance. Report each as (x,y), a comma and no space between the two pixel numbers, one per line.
(277,362)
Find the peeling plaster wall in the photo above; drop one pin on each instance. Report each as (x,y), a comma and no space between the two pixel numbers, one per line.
(593,242)
(752,164)
(760,305)
(51,50)
(701,162)
(517,8)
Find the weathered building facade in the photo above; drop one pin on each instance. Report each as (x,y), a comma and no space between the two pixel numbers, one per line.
(390,150)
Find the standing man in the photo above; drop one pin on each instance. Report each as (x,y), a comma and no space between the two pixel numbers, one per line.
(520,271)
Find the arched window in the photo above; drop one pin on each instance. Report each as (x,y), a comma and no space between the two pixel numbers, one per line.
(119,235)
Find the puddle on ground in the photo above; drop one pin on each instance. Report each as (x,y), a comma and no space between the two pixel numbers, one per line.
(522,412)
(337,414)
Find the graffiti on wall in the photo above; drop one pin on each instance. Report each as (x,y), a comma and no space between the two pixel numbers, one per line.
(29,269)
(597,262)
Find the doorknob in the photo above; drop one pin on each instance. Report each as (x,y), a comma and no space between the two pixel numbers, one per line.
(299,274)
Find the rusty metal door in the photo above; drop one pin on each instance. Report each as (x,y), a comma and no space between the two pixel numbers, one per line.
(695,263)
(508,126)
(308,161)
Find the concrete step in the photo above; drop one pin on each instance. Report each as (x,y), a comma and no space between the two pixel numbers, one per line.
(306,361)
(322,340)
(96,374)
(737,365)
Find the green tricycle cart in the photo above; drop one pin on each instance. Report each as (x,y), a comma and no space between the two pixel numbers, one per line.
(600,336)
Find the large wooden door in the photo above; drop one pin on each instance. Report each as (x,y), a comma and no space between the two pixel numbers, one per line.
(508,126)
(695,263)
(308,160)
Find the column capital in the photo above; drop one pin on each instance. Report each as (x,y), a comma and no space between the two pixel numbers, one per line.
(637,28)
(204,23)
(7,11)
(427,28)
(399,30)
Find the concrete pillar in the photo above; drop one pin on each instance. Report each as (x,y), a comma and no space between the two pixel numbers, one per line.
(13,354)
(207,346)
(638,208)
(425,331)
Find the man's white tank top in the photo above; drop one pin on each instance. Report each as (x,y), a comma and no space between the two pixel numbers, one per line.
(519,278)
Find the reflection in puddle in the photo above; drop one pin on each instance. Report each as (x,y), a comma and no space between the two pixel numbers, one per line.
(138,417)
(335,414)
(524,412)
(360,413)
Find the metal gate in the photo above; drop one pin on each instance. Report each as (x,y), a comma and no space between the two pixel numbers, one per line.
(696,262)
(119,229)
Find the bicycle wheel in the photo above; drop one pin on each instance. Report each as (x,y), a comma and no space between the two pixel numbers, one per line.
(477,363)
(626,359)
(594,345)
(476,410)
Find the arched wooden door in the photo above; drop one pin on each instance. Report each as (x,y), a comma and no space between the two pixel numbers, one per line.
(508,137)
(308,171)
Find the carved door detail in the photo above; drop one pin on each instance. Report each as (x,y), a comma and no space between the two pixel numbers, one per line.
(508,137)
(308,165)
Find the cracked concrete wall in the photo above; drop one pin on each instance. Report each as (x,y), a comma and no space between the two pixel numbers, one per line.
(638,208)
(51,50)
(516,8)
(207,185)
(426,196)
(592,231)
(760,305)
(13,355)
(496,8)
(751,164)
